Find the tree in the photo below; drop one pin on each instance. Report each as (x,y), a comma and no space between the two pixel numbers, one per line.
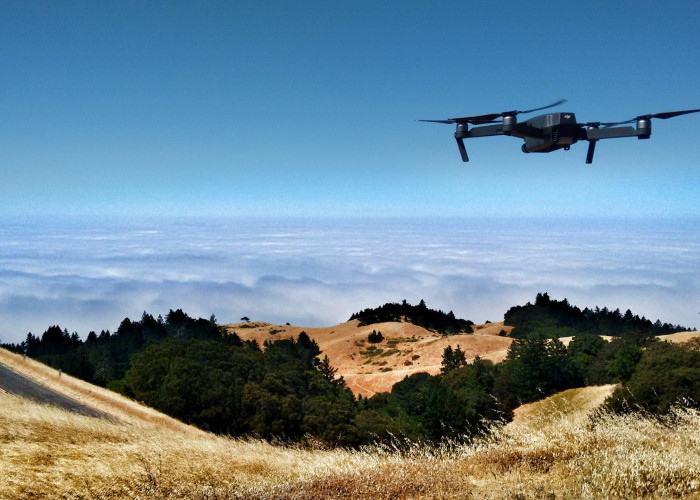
(534,368)
(326,370)
(452,359)
(666,375)
(582,352)
(375,337)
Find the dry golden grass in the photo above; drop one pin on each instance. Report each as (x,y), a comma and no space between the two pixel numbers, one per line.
(680,337)
(407,349)
(50,452)
(551,449)
(105,401)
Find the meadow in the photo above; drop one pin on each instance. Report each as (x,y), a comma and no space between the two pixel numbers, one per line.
(553,448)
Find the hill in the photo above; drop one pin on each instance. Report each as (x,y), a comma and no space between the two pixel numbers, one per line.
(405,349)
(551,449)
(95,399)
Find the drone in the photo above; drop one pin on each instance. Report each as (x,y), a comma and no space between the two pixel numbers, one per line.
(551,131)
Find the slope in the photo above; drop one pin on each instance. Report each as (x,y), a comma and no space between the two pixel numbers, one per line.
(552,449)
(406,349)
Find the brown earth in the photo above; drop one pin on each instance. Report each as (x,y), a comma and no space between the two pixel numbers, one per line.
(406,349)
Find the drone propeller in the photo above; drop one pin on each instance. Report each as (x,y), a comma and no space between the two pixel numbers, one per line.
(663,116)
(490,118)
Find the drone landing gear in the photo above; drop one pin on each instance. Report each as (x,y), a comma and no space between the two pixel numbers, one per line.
(591,151)
(462,149)
(462,132)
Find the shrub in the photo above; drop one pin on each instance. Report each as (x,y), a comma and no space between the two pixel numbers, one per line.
(375,337)
(665,376)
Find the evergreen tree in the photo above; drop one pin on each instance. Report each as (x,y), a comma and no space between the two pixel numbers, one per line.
(326,370)
(452,359)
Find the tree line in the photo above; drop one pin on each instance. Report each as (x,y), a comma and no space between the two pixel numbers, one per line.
(553,318)
(193,370)
(420,315)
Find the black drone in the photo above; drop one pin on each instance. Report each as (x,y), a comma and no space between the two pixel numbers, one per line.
(552,131)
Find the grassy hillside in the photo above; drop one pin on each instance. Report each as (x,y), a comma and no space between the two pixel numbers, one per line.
(551,448)
(406,349)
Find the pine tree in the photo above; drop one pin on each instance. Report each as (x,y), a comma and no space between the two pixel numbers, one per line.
(326,370)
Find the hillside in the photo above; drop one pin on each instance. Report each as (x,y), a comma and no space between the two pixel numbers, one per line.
(101,401)
(406,349)
(551,449)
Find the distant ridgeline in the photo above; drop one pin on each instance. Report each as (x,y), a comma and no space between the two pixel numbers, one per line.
(103,358)
(554,319)
(420,315)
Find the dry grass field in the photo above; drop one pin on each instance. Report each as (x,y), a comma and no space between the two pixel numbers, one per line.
(551,449)
(406,349)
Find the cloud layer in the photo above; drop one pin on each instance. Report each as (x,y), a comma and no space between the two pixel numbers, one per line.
(88,274)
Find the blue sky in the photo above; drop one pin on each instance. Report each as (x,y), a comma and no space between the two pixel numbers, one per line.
(310,108)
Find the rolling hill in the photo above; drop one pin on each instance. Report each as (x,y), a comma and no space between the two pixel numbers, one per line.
(406,349)
(551,449)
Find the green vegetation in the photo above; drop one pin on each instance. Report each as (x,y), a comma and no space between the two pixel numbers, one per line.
(234,388)
(452,359)
(421,315)
(191,369)
(425,407)
(667,375)
(554,319)
(375,337)
(104,358)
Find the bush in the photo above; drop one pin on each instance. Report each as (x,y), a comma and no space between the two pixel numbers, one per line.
(667,375)
(375,337)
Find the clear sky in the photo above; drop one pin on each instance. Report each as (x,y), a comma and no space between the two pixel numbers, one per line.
(310,108)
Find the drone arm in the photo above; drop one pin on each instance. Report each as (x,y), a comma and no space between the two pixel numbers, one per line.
(485,131)
(594,134)
(463,132)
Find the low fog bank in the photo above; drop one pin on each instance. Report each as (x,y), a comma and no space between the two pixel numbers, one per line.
(88,274)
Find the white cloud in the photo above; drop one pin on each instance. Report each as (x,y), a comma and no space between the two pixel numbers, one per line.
(89,275)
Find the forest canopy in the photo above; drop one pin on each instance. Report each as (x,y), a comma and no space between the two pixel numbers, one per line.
(553,318)
(420,315)
(192,369)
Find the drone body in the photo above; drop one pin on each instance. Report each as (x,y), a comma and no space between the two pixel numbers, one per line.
(551,131)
